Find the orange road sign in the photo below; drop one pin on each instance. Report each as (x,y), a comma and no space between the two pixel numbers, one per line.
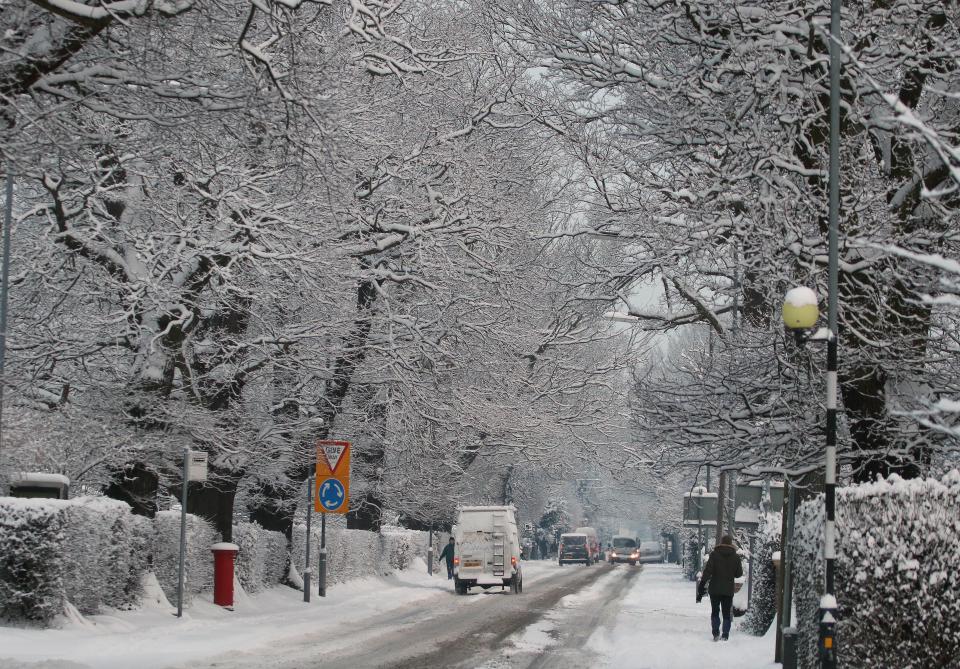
(332,492)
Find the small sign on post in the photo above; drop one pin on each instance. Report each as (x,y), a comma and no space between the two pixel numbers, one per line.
(198,466)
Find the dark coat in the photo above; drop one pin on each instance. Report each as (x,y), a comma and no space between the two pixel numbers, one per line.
(722,568)
(447,554)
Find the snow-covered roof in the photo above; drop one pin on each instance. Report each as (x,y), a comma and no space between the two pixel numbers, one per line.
(41,479)
(224,546)
(801,296)
(759,484)
(488,508)
(700,494)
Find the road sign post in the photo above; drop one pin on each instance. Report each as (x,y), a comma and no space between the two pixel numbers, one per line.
(322,579)
(306,567)
(332,494)
(194,469)
(430,552)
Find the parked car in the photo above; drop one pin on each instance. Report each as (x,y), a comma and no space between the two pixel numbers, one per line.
(574,547)
(623,549)
(486,549)
(593,542)
(651,551)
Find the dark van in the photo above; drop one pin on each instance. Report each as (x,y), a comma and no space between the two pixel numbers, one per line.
(574,548)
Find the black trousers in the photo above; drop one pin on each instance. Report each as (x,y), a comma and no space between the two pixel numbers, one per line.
(718,603)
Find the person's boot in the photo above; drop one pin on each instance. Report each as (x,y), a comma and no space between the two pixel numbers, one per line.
(716,637)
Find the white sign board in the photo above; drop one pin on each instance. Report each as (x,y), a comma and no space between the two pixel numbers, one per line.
(197,467)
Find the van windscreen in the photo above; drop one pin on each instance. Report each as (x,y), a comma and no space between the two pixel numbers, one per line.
(623,542)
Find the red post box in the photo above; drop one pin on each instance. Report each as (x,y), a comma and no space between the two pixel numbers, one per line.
(224,555)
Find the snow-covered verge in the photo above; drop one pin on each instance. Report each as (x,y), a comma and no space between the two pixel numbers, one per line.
(897,573)
(149,637)
(92,552)
(660,626)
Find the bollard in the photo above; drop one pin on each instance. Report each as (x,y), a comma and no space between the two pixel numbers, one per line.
(223,558)
(828,632)
(789,648)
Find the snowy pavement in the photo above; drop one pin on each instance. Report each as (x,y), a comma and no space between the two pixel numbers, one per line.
(660,626)
(573,616)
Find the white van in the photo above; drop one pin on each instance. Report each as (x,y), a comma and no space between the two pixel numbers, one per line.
(486,549)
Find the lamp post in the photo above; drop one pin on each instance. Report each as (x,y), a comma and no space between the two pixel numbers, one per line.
(800,314)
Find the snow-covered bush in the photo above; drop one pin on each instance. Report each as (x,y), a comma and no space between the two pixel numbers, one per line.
(198,574)
(103,558)
(31,543)
(90,551)
(358,553)
(262,560)
(897,575)
(763,591)
(691,548)
(399,550)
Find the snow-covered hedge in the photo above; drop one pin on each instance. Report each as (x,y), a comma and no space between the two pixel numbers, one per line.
(897,573)
(357,553)
(262,560)
(106,550)
(166,554)
(691,547)
(31,540)
(89,551)
(763,591)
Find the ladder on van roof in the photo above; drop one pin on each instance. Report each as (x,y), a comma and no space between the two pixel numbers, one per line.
(499,541)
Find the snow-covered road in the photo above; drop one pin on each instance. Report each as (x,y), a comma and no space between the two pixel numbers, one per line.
(572,617)
(602,616)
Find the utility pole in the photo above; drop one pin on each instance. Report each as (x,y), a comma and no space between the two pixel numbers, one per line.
(721,503)
(828,603)
(4,292)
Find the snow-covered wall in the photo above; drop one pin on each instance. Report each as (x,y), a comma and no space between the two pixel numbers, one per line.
(897,573)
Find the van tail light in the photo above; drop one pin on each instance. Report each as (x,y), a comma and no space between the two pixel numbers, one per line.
(513,560)
(456,562)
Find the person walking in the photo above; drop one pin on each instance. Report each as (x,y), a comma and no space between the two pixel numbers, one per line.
(447,554)
(722,568)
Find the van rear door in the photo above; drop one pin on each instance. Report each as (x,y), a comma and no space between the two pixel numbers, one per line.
(474,551)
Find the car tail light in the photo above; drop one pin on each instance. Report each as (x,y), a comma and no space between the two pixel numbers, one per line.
(456,562)
(513,560)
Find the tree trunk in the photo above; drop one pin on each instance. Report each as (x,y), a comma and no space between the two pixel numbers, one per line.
(275,511)
(213,501)
(137,486)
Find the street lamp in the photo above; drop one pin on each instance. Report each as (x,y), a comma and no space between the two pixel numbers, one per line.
(800,314)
